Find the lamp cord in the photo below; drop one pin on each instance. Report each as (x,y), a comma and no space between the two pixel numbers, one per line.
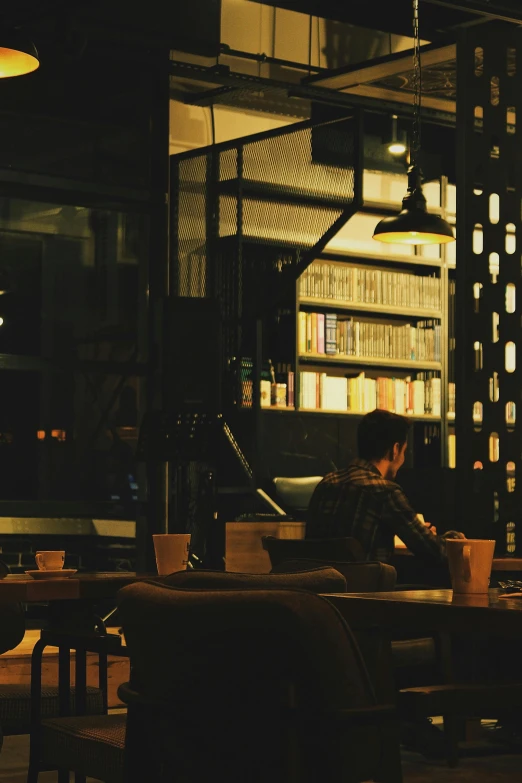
(417,85)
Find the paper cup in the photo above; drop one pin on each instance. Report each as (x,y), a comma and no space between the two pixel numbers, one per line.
(172,551)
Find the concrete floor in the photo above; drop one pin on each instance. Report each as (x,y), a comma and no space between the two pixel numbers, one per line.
(490,769)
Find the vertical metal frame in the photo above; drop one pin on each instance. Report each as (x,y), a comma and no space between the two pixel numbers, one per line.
(444,349)
(489,78)
(157,507)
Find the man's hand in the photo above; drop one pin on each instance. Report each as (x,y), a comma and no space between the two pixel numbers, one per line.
(430,527)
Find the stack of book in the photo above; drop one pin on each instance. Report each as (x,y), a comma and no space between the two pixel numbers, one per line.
(322,280)
(451,400)
(328,334)
(276,387)
(408,396)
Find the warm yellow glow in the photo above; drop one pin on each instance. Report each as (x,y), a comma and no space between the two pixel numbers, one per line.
(58,434)
(40,434)
(413,238)
(397,148)
(15,63)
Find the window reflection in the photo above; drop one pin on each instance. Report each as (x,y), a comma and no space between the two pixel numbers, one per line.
(72,352)
(71,276)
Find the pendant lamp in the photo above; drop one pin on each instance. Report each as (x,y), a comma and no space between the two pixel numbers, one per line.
(396,144)
(18,55)
(414,225)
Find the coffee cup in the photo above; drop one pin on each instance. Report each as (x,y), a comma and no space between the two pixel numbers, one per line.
(51,560)
(172,551)
(470,561)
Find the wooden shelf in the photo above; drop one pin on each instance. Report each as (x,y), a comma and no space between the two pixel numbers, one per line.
(341,256)
(360,414)
(364,307)
(362,361)
(268,408)
(424,417)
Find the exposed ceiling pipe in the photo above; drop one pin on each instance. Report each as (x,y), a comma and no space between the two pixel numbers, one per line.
(264,58)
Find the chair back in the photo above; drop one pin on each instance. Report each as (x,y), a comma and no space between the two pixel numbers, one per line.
(294,493)
(214,674)
(340,549)
(317,578)
(367,577)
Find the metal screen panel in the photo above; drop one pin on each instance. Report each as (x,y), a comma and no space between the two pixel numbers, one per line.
(189,227)
(248,214)
(489,338)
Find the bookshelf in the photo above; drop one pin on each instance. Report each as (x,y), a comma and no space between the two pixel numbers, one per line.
(366,361)
(384,293)
(288,217)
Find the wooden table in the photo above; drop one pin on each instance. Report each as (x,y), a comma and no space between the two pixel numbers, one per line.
(91,587)
(375,616)
(432,610)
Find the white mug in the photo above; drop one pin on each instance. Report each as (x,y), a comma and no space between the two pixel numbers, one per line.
(172,551)
(51,560)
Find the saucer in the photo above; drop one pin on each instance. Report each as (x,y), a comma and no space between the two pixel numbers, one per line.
(59,573)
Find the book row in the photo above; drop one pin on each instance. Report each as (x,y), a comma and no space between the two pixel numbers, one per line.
(370,286)
(332,335)
(417,396)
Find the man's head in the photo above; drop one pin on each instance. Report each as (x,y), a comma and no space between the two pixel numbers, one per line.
(382,438)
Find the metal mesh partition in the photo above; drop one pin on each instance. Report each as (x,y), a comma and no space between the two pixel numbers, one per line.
(248,216)
(489,341)
(190,226)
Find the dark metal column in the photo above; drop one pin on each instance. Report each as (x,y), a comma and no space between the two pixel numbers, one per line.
(156,516)
(489,342)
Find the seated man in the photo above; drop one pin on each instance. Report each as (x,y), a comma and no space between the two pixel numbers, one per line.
(364,501)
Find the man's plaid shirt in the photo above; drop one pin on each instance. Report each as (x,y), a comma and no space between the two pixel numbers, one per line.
(360,503)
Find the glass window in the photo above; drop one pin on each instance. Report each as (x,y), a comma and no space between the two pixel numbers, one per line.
(69,436)
(73,339)
(72,279)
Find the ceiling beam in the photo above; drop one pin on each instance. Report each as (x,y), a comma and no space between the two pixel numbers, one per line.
(383,67)
(401,96)
(504,10)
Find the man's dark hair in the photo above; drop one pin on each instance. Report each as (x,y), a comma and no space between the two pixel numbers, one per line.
(378,431)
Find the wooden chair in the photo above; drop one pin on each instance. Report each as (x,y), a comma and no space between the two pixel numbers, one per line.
(93,746)
(316,578)
(16,699)
(248,685)
(367,577)
(294,493)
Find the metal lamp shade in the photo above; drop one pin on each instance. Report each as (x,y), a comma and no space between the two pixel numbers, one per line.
(18,56)
(414,227)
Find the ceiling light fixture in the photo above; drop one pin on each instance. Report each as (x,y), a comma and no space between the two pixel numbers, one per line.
(414,225)
(397,144)
(18,55)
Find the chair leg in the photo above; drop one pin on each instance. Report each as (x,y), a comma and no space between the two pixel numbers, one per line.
(32,773)
(390,768)
(36,685)
(451,737)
